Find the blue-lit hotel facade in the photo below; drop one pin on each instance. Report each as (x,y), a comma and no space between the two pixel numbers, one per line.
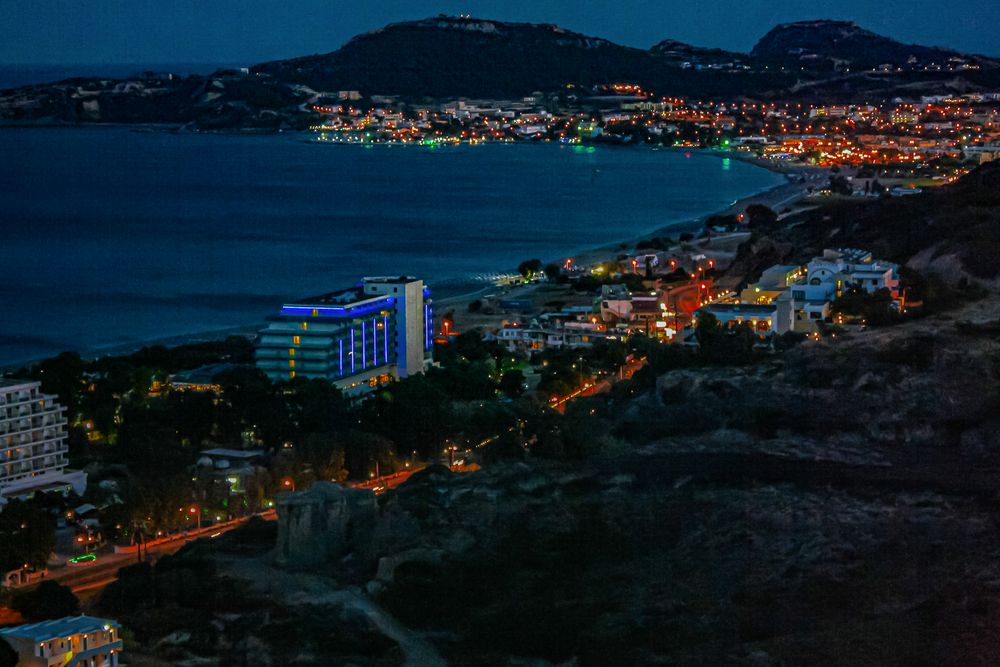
(356,338)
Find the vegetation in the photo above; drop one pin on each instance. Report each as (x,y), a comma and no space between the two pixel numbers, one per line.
(8,656)
(49,599)
(530,267)
(872,308)
(26,534)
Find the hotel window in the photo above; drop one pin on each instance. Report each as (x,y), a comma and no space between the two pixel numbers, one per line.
(291,363)
(296,340)
(305,326)
(291,351)
(291,375)
(315,312)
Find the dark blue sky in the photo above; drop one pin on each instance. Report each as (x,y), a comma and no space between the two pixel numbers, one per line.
(248,31)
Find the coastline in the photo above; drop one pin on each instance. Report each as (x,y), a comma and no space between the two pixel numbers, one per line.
(776,197)
(780,194)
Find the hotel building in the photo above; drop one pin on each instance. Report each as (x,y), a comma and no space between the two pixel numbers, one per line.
(356,338)
(33,443)
(74,641)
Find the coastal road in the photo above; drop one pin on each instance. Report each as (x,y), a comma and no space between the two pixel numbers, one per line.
(89,580)
(592,388)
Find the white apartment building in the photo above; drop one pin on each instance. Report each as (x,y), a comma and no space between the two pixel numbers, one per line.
(33,443)
(74,641)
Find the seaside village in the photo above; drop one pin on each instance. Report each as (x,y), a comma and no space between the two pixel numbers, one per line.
(384,328)
(673,289)
(902,143)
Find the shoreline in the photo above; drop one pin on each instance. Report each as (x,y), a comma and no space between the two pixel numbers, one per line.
(787,191)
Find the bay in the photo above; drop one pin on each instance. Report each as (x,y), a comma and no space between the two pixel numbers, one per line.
(111,237)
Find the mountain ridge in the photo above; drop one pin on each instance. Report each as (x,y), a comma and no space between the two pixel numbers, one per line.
(446,57)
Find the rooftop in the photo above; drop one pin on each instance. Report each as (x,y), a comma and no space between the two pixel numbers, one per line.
(338,298)
(7,383)
(200,375)
(389,279)
(735,308)
(233,453)
(60,627)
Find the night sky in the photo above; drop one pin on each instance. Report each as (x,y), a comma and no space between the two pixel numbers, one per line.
(248,31)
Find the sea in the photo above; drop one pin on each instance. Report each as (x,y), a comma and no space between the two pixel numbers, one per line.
(114,237)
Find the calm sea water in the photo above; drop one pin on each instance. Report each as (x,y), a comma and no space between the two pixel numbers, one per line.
(112,237)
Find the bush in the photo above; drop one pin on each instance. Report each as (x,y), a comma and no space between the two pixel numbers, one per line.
(8,656)
(50,600)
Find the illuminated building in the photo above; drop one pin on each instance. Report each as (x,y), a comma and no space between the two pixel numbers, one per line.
(357,338)
(33,443)
(66,642)
(761,318)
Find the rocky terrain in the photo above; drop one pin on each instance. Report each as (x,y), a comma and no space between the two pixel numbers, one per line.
(833,504)
(444,57)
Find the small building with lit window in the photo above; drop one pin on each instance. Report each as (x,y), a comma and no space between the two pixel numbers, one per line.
(73,641)
(763,319)
(357,338)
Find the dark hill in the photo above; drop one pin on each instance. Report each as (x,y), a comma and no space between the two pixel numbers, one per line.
(826,42)
(454,56)
(449,56)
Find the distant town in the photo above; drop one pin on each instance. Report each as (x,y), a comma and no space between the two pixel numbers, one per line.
(930,141)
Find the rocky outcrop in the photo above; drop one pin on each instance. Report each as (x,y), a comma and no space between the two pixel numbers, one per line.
(321,523)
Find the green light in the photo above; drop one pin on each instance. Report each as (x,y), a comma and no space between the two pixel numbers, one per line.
(591,149)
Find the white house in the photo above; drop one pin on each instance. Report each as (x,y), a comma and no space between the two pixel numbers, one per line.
(73,641)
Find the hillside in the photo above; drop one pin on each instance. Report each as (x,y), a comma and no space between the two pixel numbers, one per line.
(828,44)
(449,56)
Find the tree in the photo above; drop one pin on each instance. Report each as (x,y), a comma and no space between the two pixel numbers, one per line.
(719,346)
(8,656)
(323,455)
(873,308)
(512,383)
(50,600)
(27,535)
(529,267)
(759,216)
(362,450)
(839,185)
